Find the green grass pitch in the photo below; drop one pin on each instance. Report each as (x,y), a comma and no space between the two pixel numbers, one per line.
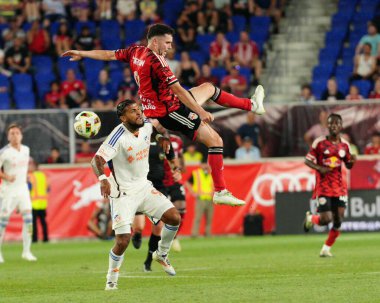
(220,269)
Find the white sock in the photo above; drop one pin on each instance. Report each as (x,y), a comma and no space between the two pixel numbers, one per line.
(167,236)
(27,236)
(326,247)
(114,263)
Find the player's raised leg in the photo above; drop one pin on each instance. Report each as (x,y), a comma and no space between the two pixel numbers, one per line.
(208,136)
(207,91)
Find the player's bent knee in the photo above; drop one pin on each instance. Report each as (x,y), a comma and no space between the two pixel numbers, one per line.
(171,217)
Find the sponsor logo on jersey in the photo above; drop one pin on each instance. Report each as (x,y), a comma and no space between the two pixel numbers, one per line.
(148,106)
(193,116)
(138,62)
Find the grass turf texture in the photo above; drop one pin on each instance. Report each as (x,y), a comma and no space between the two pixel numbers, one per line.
(222,269)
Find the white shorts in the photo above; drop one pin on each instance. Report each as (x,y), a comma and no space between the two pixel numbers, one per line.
(148,201)
(11,201)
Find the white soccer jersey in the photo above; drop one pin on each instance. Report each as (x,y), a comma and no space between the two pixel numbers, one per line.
(14,162)
(127,156)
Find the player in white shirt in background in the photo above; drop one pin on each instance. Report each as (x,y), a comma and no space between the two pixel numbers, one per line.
(14,161)
(126,150)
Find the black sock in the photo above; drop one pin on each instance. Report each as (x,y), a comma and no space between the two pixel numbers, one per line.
(153,245)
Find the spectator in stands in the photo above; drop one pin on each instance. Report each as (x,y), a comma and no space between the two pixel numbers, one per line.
(188,71)
(375,94)
(216,19)
(249,129)
(8,10)
(272,8)
(172,61)
(317,130)
(54,9)
(206,76)
(353,147)
(187,23)
(127,88)
(86,40)
(373,148)
(85,154)
(306,94)
(104,9)
(4,71)
(365,64)
(63,40)
(7,39)
(31,10)
(17,57)
(148,9)
(354,94)
(55,156)
(332,93)
(54,98)
(74,91)
(80,10)
(192,155)
(246,54)
(220,52)
(104,92)
(10,34)
(243,8)
(38,39)
(373,38)
(234,82)
(247,151)
(126,10)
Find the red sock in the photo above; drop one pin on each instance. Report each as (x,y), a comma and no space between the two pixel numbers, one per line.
(215,160)
(228,100)
(333,234)
(315,219)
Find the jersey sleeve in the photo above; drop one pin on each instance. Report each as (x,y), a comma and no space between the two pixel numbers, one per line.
(124,54)
(312,154)
(110,147)
(162,70)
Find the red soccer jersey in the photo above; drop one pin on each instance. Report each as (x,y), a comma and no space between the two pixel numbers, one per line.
(372,150)
(154,77)
(177,144)
(325,153)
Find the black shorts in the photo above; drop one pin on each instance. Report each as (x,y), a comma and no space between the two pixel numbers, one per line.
(331,203)
(182,120)
(176,192)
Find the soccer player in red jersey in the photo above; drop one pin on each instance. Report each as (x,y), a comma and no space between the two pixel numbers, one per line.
(174,107)
(326,156)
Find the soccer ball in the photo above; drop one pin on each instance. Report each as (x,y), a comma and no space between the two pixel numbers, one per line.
(87,124)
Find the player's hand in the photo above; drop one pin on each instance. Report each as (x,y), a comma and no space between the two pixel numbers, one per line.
(324,169)
(74,54)
(105,188)
(206,117)
(165,144)
(352,159)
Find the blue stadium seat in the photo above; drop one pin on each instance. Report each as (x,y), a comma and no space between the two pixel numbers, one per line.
(318,87)
(171,10)
(110,34)
(115,65)
(4,81)
(24,100)
(262,22)
(116,78)
(111,42)
(340,19)
(247,73)
(329,54)
(363,16)
(204,42)
(42,64)
(43,82)
(134,31)
(5,101)
(342,84)
(198,57)
(364,87)
(343,71)
(322,72)
(22,83)
(90,24)
(259,37)
(239,23)
(219,72)
(232,37)
(64,64)
(92,65)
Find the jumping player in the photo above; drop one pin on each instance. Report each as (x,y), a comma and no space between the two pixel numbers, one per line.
(326,156)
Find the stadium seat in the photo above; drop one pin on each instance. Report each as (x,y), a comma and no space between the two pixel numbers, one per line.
(204,42)
(322,72)
(110,34)
(4,81)
(22,83)
(171,10)
(90,24)
(318,87)
(262,22)
(232,37)
(116,77)
(24,100)
(115,65)
(239,23)
(247,73)
(342,84)
(5,101)
(134,31)
(42,64)
(219,72)
(340,19)
(344,71)
(364,87)
(198,57)
(64,64)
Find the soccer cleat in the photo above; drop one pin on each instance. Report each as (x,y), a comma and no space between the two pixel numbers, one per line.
(147,267)
(111,286)
(28,256)
(258,99)
(136,240)
(325,253)
(164,261)
(307,224)
(1,258)
(176,246)
(226,198)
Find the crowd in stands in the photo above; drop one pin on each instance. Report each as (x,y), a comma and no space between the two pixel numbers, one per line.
(220,40)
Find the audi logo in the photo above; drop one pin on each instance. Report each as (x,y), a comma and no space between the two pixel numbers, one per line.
(265,186)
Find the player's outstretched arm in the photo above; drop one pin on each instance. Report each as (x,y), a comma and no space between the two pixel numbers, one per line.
(76,55)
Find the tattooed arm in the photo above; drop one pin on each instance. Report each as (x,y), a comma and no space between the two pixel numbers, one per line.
(97,164)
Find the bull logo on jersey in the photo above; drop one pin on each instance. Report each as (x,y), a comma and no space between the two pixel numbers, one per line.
(193,116)
(332,162)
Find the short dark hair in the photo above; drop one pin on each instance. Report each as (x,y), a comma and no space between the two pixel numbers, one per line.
(336,116)
(159,30)
(122,105)
(14,125)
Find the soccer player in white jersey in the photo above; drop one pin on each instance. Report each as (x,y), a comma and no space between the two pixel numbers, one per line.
(126,151)
(14,161)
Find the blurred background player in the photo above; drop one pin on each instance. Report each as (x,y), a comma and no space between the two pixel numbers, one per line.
(39,192)
(14,160)
(100,222)
(326,156)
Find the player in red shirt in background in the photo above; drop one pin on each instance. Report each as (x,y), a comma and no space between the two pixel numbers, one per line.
(326,156)
(373,148)
(174,107)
